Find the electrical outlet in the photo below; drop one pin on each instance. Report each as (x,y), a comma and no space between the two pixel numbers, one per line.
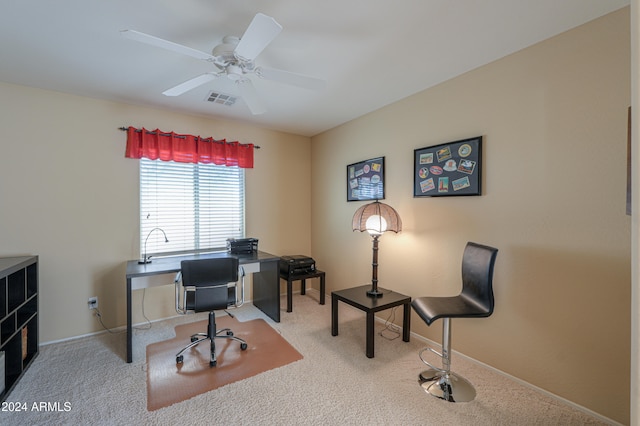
(93,302)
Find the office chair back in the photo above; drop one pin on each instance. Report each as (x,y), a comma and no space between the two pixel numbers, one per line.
(209,285)
(477,277)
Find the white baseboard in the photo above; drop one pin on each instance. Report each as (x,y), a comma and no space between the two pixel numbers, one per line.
(115,330)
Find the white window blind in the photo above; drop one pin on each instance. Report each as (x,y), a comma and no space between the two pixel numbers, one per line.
(198,206)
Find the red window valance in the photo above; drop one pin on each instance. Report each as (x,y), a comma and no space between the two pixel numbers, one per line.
(168,146)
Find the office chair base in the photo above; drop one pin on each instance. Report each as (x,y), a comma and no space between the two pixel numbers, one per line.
(195,340)
(448,386)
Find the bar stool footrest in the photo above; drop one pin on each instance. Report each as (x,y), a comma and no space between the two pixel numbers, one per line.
(431,366)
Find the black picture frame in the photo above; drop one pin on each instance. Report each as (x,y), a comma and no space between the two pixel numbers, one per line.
(365,180)
(448,169)
(629,162)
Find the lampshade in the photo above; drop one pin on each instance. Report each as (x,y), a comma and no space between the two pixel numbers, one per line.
(376,218)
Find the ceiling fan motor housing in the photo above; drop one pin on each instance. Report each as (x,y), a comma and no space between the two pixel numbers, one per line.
(234,72)
(224,51)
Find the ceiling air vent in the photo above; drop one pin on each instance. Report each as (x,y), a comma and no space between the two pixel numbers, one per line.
(221,98)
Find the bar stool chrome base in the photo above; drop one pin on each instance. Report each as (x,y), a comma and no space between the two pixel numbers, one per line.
(448,386)
(442,382)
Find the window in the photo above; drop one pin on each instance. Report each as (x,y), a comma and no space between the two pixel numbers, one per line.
(198,206)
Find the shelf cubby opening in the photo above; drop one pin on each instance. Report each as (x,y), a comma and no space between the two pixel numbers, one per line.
(17,293)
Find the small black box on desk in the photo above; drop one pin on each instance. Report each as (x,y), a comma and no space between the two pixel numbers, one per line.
(242,245)
(297,264)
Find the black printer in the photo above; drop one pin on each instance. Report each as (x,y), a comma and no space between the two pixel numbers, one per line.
(296,264)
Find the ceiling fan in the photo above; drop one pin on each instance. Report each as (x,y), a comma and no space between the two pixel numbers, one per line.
(234,58)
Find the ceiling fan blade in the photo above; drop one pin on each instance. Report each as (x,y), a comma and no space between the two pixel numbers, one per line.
(190,84)
(250,96)
(164,44)
(286,77)
(261,31)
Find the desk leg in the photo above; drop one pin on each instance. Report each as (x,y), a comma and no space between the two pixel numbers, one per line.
(334,315)
(370,333)
(406,322)
(322,289)
(289,295)
(266,289)
(129,331)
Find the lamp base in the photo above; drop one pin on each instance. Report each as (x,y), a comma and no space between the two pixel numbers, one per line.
(144,262)
(374,293)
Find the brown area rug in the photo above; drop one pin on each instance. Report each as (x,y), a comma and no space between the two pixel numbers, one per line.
(169,383)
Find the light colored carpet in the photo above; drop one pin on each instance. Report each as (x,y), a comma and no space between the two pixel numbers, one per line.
(169,383)
(335,383)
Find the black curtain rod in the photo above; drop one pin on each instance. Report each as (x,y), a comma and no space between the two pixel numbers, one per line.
(124,129)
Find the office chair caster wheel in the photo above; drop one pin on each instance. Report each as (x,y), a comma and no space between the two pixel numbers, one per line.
(229,333)
(193,339)
(179,359)
(213,363)
(243,346)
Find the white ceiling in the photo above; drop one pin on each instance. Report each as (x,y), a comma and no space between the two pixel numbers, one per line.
(370,52)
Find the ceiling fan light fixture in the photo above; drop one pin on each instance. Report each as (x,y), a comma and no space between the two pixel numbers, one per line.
(234,72)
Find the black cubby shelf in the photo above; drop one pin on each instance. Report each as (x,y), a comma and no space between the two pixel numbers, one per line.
(18,318)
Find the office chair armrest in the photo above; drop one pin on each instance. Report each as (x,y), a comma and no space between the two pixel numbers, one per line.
(178,283)
(241,301)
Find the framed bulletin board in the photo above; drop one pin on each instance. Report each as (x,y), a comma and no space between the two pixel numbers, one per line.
(629,161)
(449,169)
(365,180)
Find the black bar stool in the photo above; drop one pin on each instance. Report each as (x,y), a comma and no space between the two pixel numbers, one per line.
(475,300)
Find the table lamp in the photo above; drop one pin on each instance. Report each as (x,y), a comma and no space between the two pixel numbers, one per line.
(147,259)
(376,218)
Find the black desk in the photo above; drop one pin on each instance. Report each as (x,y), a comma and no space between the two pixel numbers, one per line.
(263,266)
(357,297)
(303,286)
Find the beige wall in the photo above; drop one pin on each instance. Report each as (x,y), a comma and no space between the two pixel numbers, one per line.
(68,195)
(554,122)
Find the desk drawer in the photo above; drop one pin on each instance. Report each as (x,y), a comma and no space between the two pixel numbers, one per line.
(251,268)
(138,283)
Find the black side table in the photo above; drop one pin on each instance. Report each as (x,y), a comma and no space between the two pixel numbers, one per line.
(303,285)
(357,297)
